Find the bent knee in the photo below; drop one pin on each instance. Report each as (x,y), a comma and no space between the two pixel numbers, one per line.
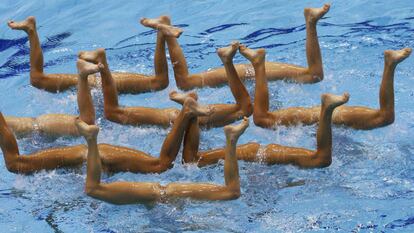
(233,194)
(260,120)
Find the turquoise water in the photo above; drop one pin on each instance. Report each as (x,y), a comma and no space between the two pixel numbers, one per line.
(368,188)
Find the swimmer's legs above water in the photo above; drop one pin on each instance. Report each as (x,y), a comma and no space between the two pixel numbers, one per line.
(49,82)
(222,115)
(61,124)
(352,116)
(117,159)
(277,154)
(274,70)
(43,160)
(138,83)
(125,82)
(145,192)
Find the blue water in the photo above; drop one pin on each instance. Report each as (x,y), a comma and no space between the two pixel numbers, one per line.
(368,188)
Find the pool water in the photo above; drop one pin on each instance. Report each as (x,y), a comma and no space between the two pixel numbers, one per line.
(368,188)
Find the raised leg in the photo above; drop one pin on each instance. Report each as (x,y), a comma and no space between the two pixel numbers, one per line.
(368,118)
(186,81)
(261,115)
(192,133)
(117,192)
(51,82)
(46,159)
(314,72)
(231,189)
(228,113)
(85,103)
(125,115)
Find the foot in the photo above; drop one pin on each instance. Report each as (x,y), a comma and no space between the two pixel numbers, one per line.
(180,97)
(396,56)
(159,24)
(195,109)
(87,131)
(332,101)
(94,56)
(226,54)
(312,15)
(233,132)
(28,24)
(86,68)
(254,56)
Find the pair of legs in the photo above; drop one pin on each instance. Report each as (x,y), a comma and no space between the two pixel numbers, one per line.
(352,116)
(223,113)
(146,192)
(125,82)
(61,124)
(278,154)
(114,158)
(274,70)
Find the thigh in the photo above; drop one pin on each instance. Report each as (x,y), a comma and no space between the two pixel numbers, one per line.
(357,117)
(57,124)
(124,159)
(296,115)
(278,71)
(148,116)
(222,115)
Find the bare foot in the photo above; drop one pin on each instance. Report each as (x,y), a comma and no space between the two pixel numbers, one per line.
(87,131)
(86,68)
(194,108)
(28,24)
(312,15)
(233,132)
(332,101)
(159,24)
(226,54)
(180,97)
(94,56)
(396,56)
(255,56)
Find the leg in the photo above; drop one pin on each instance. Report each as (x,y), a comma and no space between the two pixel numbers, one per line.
(367,118)
(46,159)
(228,113)
(322,157)
(116,158)
(117,192)
(137,83)
(184,80)
(51,82)
(125,115)
(314,72)
(261,115)
(192,133)
(231,189)
(85,103)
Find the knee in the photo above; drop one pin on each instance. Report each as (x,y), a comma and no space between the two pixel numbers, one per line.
(247,109)
(322,159)
(90,190)
(162,83)
(316,76)
(260,120)
(387,118)
(233,194)
(36,80)
(12,167)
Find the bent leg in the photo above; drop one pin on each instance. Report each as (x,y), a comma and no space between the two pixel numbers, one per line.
(368,118)
(228,113)
(51,82)
(322,157)
(231,189)
(314,72)
(117,192)
(46,159)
